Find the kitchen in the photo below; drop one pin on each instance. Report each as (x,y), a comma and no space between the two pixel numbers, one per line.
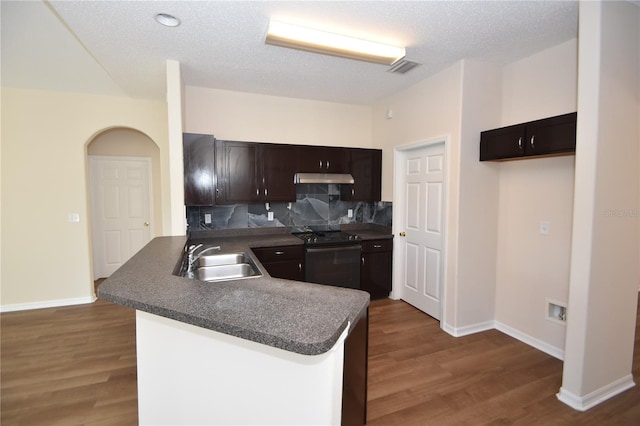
(226,114)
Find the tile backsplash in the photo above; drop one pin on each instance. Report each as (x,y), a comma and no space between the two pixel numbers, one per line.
(316,205)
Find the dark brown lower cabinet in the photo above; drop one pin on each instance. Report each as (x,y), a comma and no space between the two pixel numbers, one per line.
(354,385)
(376,268)
(285,262)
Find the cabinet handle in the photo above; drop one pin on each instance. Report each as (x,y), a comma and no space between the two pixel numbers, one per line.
(377,246)
(353,192)
(320,163)
(279,253)
(327,164)
(257,192)
(265,192)
(520,143)
(362,260)
(533,138)
(300,267)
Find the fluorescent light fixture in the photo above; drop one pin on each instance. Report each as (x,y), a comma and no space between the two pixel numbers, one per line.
(295,37)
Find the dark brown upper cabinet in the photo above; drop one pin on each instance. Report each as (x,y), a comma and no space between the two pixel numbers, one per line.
(365,166)
(199,171)
(322,159)
(254,172)
(279,165)
(546,137)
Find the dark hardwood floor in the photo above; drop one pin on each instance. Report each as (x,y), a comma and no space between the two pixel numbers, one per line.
(77,365)
(419,375)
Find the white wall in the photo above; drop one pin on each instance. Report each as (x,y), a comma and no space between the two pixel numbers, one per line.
(532,267)
(427,110)
(457,103)
(260,118)
(478,200)
(606,226)
(45,259)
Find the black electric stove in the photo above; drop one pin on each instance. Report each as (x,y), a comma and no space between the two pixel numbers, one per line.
(319,237)
(331,257)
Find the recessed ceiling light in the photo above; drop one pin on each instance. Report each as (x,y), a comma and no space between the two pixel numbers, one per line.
(295,37)
(167,20)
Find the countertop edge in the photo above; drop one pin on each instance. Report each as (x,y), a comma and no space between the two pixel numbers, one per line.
(127,287)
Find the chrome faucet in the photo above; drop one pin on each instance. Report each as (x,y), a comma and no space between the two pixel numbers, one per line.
(192,257)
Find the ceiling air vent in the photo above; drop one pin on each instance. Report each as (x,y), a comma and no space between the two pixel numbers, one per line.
(402,66)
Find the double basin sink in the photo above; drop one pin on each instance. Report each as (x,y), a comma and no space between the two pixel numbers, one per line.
(219,267)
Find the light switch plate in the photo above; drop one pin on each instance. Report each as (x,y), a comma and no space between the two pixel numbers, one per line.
(269,216)
(350,213)
(207,218)
(545,226)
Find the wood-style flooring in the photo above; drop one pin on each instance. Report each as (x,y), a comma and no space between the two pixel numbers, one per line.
(77,365)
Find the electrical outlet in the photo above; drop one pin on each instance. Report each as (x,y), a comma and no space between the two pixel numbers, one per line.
(207,218)
(74,217)
(350,213)
(269,216)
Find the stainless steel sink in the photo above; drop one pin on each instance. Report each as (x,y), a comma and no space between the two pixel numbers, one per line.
(222,259)
(221,267)
(227,272)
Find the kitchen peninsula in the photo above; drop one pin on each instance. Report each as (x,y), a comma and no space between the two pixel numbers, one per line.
(259,350)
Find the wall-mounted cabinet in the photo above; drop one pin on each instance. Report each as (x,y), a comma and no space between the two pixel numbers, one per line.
(254,172)
(322,159)
(199,169)
(365,165)
(546,137)
(232,172)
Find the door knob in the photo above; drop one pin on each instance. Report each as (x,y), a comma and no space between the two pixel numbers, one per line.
(403,234)
(146,224)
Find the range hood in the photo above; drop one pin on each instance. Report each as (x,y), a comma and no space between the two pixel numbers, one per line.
(322,178)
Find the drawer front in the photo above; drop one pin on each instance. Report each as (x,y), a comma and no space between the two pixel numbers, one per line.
(372,246)
(275,254)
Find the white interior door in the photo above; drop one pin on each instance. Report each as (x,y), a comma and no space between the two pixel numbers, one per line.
(120,210)
(420,226)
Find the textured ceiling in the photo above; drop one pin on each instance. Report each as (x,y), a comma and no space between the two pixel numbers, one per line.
(116,47)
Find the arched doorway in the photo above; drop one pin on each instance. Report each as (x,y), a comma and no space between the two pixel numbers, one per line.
(124,196)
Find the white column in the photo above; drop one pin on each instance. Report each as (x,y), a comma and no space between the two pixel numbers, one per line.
(605,258)
(177,220)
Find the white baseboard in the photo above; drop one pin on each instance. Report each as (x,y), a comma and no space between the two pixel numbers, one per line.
(47,304)
(516,334)
(590,400)
(531,341)
(468,329)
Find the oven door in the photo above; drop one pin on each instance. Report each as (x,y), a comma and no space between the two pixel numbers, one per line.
(334,265)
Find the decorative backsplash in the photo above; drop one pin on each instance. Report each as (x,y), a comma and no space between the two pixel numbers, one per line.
(316,205)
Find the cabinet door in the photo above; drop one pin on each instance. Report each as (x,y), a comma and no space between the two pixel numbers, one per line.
(285,262)
(237,172)
(278,168)
(376,269)
(199,169)
(335,160)
(311,159)
(287,270)
(321,159)
(366,167)
(506,142)
(552,135)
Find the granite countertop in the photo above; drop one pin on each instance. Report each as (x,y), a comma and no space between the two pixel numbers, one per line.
(295,316)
